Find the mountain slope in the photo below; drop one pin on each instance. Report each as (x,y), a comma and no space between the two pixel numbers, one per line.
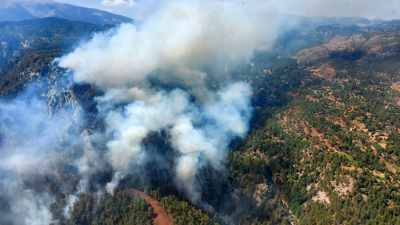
(15,10)
(326,135)
(28,46)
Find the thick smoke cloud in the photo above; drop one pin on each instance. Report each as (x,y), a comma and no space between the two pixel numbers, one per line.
(153,79)
(188,35)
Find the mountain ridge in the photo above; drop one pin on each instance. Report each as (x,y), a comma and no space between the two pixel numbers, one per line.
(16,10)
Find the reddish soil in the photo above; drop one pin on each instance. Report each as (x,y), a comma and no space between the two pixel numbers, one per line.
(324,71)
(397,86)
(314,132)
(293,94)
(162,218)
(326,142)
(379,174)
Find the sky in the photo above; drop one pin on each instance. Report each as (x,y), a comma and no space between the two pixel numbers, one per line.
(135,9)
(371,9)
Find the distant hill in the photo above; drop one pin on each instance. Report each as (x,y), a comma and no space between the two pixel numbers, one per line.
(16,10)
(27,47)
(311,23)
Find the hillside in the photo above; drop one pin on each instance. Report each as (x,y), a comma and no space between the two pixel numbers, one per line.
(327,141)
(28,46)
(16,10)
(324,141)
(323,144)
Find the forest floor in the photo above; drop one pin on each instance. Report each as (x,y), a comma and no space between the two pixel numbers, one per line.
(163,218)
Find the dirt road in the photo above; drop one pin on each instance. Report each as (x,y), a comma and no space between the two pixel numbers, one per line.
(163,218)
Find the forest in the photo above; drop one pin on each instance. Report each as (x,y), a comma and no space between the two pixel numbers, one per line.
(323,145)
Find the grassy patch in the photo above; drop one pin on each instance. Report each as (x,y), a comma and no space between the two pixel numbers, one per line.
(381,178)
(350,158)
(377,146)
(396,168)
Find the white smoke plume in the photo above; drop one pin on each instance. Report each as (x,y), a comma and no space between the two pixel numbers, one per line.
(25,206)
(154,80)
(32,142)
(43,147)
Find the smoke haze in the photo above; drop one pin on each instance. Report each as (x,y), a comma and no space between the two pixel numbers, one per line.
(33,143)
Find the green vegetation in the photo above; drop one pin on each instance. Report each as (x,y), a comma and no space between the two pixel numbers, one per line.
(349,158)
(29,46)
(124,207)
(377,147)
(184,213)
(329,146)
